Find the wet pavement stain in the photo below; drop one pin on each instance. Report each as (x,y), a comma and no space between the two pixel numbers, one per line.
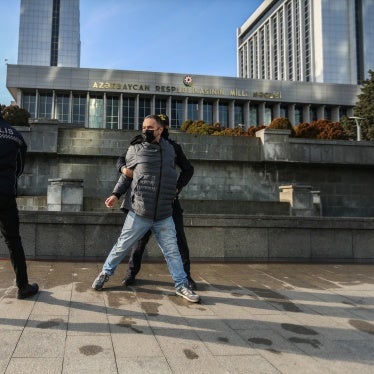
(49,324)
(81,287)
(128,323)
(362,326)
(223,339)
(262,341)
(90,350)
(298,329)
(150,308)
(115,301)
(313,342)
(191,355)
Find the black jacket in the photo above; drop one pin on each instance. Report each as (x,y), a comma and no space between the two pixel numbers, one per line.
(12,158)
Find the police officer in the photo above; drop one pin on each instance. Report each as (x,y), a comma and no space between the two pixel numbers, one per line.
(12,160)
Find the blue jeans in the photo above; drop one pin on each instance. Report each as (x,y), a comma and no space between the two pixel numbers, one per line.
(135,228)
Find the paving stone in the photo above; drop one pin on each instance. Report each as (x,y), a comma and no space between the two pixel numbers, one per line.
(253,318)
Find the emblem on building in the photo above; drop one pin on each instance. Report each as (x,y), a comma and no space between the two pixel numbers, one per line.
(187,81)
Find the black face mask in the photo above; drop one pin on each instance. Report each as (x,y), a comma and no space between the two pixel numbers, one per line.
(149,135)
(165,133)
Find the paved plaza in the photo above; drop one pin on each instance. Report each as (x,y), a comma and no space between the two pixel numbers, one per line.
(253,318)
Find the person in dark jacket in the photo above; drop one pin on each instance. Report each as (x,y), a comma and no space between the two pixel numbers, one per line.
(153,188)
(12,160)
(185,175)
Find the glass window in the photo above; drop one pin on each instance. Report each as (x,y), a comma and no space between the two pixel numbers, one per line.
(128,113)
(239,115)
(96,111)
(193,110)
(176,113)
(29,102)
(112,110)
(224,114)
(160,106)
(45,105)
(144,109)
(79,109)
(62,107)
(253,116)
(327,113)
(267,116)
(298,115)
(312,114)
(283,112)
(208,112)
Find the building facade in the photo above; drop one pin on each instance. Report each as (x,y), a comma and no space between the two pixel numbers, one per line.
(49,33)
(119,99)
(326,41)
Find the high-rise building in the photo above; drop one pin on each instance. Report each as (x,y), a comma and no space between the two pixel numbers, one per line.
(49,33)
(326,41)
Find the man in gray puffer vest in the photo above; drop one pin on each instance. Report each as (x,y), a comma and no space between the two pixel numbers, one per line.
(153,189)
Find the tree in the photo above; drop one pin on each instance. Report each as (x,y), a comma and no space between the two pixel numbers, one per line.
(365,107)
(15,115)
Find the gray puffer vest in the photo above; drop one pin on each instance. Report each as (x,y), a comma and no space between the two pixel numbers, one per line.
(154,183)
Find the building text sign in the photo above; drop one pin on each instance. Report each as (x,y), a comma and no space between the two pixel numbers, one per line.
(183,90)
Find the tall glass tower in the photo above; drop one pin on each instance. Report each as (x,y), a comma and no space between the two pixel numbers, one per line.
(326,41)
(49,33)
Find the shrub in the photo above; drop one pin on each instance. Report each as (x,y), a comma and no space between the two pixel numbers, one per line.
(253,129)
(321,129)
(282,123)
(15,115)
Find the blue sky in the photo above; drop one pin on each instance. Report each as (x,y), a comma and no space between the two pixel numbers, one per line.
(176,36)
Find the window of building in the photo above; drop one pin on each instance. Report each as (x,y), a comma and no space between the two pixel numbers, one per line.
(176,119)
(239,114)
(45,105)
(193,110)
(29,103)
(298,115)
(313,114)
(253,116)
(79,109)
(160,106)
(128,113)
(223,113)
(208,112)
(268,116)
(283,111)
(62,107)
(112,112)
(144,110)
(327,114)
(96,111)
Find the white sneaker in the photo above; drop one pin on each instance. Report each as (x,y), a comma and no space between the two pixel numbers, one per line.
(188,294)
(99,281)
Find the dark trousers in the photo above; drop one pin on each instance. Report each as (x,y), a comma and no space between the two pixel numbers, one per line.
(139,248)
(9,227)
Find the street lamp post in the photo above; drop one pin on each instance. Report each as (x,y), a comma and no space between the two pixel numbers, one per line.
(358,125)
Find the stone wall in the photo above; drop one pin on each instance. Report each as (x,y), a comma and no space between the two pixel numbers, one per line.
(90,236)
(226,168)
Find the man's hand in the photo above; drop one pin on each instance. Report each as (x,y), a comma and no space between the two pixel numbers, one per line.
(111,201)
(127,172)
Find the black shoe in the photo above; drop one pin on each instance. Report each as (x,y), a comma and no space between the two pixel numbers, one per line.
(191,284)
(128,281)
(27,291)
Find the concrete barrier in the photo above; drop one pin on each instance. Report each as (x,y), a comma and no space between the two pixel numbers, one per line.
(90,236)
